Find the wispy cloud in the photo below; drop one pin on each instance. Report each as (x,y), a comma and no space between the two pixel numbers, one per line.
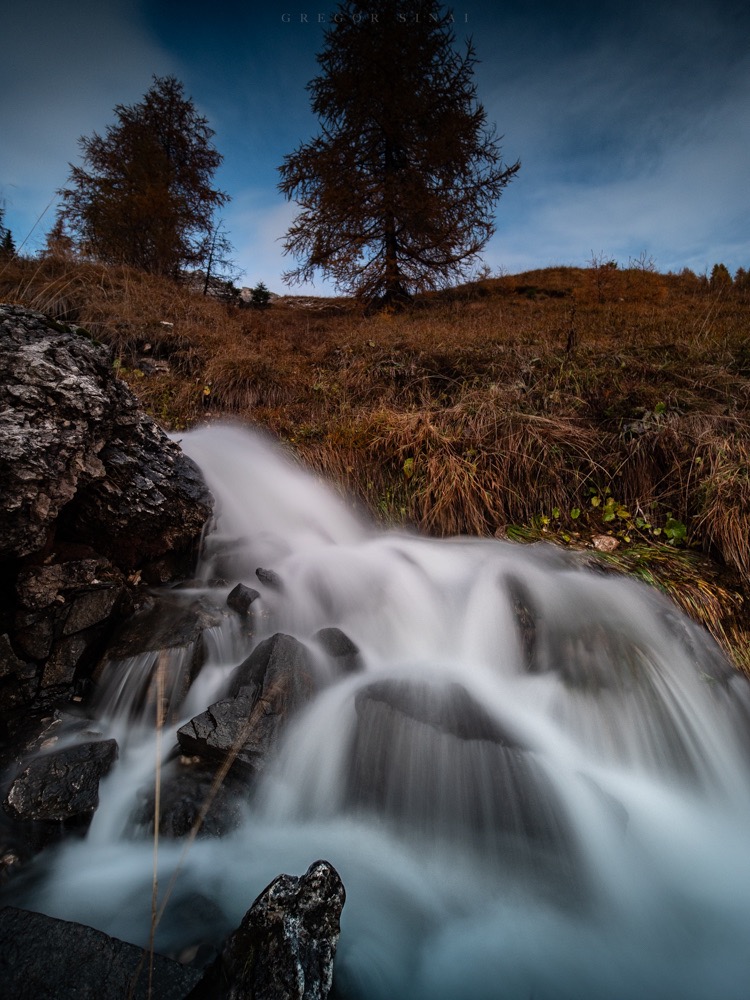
(636,141)
(64,67)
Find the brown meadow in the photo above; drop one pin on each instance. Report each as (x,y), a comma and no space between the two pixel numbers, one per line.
(565,404)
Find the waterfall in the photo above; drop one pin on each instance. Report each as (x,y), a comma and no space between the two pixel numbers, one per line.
(535,784)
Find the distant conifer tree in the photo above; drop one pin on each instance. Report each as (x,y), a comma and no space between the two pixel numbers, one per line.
(260,296)
(398,190)
(7,246)
(57,241)
(144,194)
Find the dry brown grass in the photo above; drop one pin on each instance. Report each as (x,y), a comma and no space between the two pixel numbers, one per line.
(482,406)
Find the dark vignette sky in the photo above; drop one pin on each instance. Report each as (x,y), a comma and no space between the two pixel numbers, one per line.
(632,120)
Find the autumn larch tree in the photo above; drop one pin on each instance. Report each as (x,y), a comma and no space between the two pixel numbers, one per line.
(398,190)
(144,193)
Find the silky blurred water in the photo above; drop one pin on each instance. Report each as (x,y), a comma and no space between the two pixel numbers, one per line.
(536,787)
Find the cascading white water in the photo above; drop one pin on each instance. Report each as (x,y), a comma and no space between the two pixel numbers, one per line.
(536,787)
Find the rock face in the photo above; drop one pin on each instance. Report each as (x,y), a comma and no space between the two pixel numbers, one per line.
(42,958)
(92,492)
(285,945)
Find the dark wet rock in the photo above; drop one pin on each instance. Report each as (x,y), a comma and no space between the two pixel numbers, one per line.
(285,945)
(526,616)
(17,677)
(42,958)
(192,796)
(240,598)
(62,785)
(283,666)
(93,496)
(50,783)
(270,578)
(72,431)
(340,648)
(264,692)
(231,728)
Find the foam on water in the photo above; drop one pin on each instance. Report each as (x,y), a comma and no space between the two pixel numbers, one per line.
(536,787)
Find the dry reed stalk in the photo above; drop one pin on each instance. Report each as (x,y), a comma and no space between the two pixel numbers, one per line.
(161,672)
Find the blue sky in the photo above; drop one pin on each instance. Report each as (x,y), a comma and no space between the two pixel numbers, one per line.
(632,120)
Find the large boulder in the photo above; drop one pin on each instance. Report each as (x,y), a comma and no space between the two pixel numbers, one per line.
(93,497)
(286,942)
(42,958)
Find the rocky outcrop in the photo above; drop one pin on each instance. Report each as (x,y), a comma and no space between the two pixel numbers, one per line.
(93,497)
(286,942)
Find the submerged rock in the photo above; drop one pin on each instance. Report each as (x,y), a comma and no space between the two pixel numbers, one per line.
(448,708)
(270,578)
(285,945)
(435,763)
(342,651)
(192,796)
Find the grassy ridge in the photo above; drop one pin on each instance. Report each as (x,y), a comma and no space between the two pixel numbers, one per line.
(568,404)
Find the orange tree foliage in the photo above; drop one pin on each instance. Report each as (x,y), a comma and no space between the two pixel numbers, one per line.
(397,191)
(144,194)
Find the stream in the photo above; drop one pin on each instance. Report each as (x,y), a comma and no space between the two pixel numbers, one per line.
(535,785)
